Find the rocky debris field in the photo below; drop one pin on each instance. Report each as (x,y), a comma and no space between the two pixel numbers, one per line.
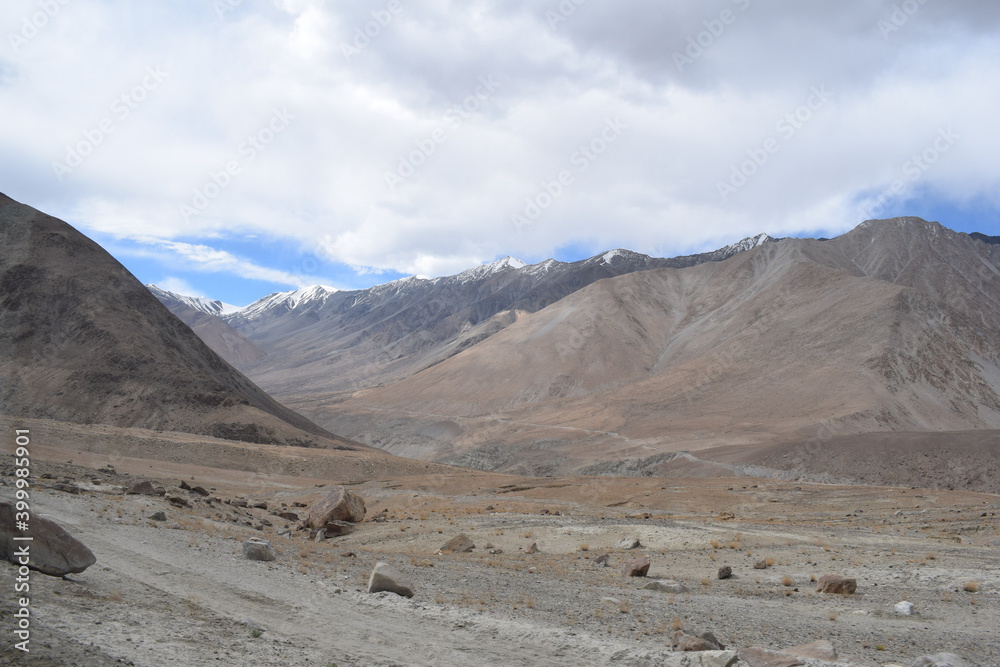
(532,573)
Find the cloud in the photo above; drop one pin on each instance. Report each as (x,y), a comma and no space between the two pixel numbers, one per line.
(395,157)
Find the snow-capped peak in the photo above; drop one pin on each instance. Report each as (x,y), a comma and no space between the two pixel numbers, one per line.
(199,303)
(304,296)
(480,272)
(746,244)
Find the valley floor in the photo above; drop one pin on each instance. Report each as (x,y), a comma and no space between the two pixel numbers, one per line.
(180,591)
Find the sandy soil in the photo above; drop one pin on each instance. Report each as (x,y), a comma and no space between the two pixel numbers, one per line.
(180,591)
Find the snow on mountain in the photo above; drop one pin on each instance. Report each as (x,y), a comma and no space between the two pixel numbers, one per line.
(748,243)
(480,272)
(210,306)
(294,299)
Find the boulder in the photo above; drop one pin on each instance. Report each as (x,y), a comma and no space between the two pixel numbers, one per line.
(817,650)
(158,515)
(458,544)
(337,529)
(905,608)
(834,583)
(939,660)
(703,641)
(758,657)
(702,659)
(665,586)
(258,549)
(142,487)
(725,572)
(385,577)
(638,567)
(51,550)
(338,504)
(629,543)
(200,490)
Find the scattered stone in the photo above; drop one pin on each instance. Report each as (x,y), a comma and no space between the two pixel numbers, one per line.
(666,586)
(629,543)
(159,515)
(725,572)
(200,490)
(458,544)
(384,577)
(258,549)
(533,549)
(602,561)
(53,551)
(834,583)
(338,528)
(238,502)
(288,516)
(817,650)
(638,567)
(177,501)
(338,504)
(298,504)
(67,488)
(257,506)
(905,608)
(704,641)
(702,659)
(939,660)
(381,517)
(143,487)
(184,486)
(761,564)
(758,657)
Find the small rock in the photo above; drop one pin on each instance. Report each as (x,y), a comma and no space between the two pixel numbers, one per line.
(761,564)
(939,660)
(629,543)
(638,567)
(177,501)
(384,577)
(458,544)
(257,506)
(67,488)
(258,549)
(758,657)
(817,650)
(142,487)
(184,486)
(704,641)
(338,528)
(200,490)
(834,583)
(666,586)
(288,516)
(533,549)
(905,608)
(725,572)
(602,561)
(238,502)
(159,515)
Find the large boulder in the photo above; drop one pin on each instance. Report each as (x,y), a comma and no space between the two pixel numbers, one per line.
(834,583)
(637,568)
(385,577)
(258,549)
(459,544)
(666,586)
(51,550)
(144,487)
(338,504)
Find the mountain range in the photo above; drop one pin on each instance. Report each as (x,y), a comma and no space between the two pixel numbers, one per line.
(559,367)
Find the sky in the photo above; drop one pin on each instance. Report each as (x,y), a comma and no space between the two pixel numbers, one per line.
(234,148)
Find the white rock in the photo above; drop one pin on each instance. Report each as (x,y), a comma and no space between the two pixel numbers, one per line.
(666,586)
(905,608)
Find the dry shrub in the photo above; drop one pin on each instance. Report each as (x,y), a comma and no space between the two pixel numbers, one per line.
(769,561)
(971,587)
(677,623)
(833,616)
(787,580)
(584,547)
(715,544)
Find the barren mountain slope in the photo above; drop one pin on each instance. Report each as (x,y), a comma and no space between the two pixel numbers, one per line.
(323,342)
(762,347)
(84,341)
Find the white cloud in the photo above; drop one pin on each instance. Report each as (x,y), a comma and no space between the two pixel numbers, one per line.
(321,181)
